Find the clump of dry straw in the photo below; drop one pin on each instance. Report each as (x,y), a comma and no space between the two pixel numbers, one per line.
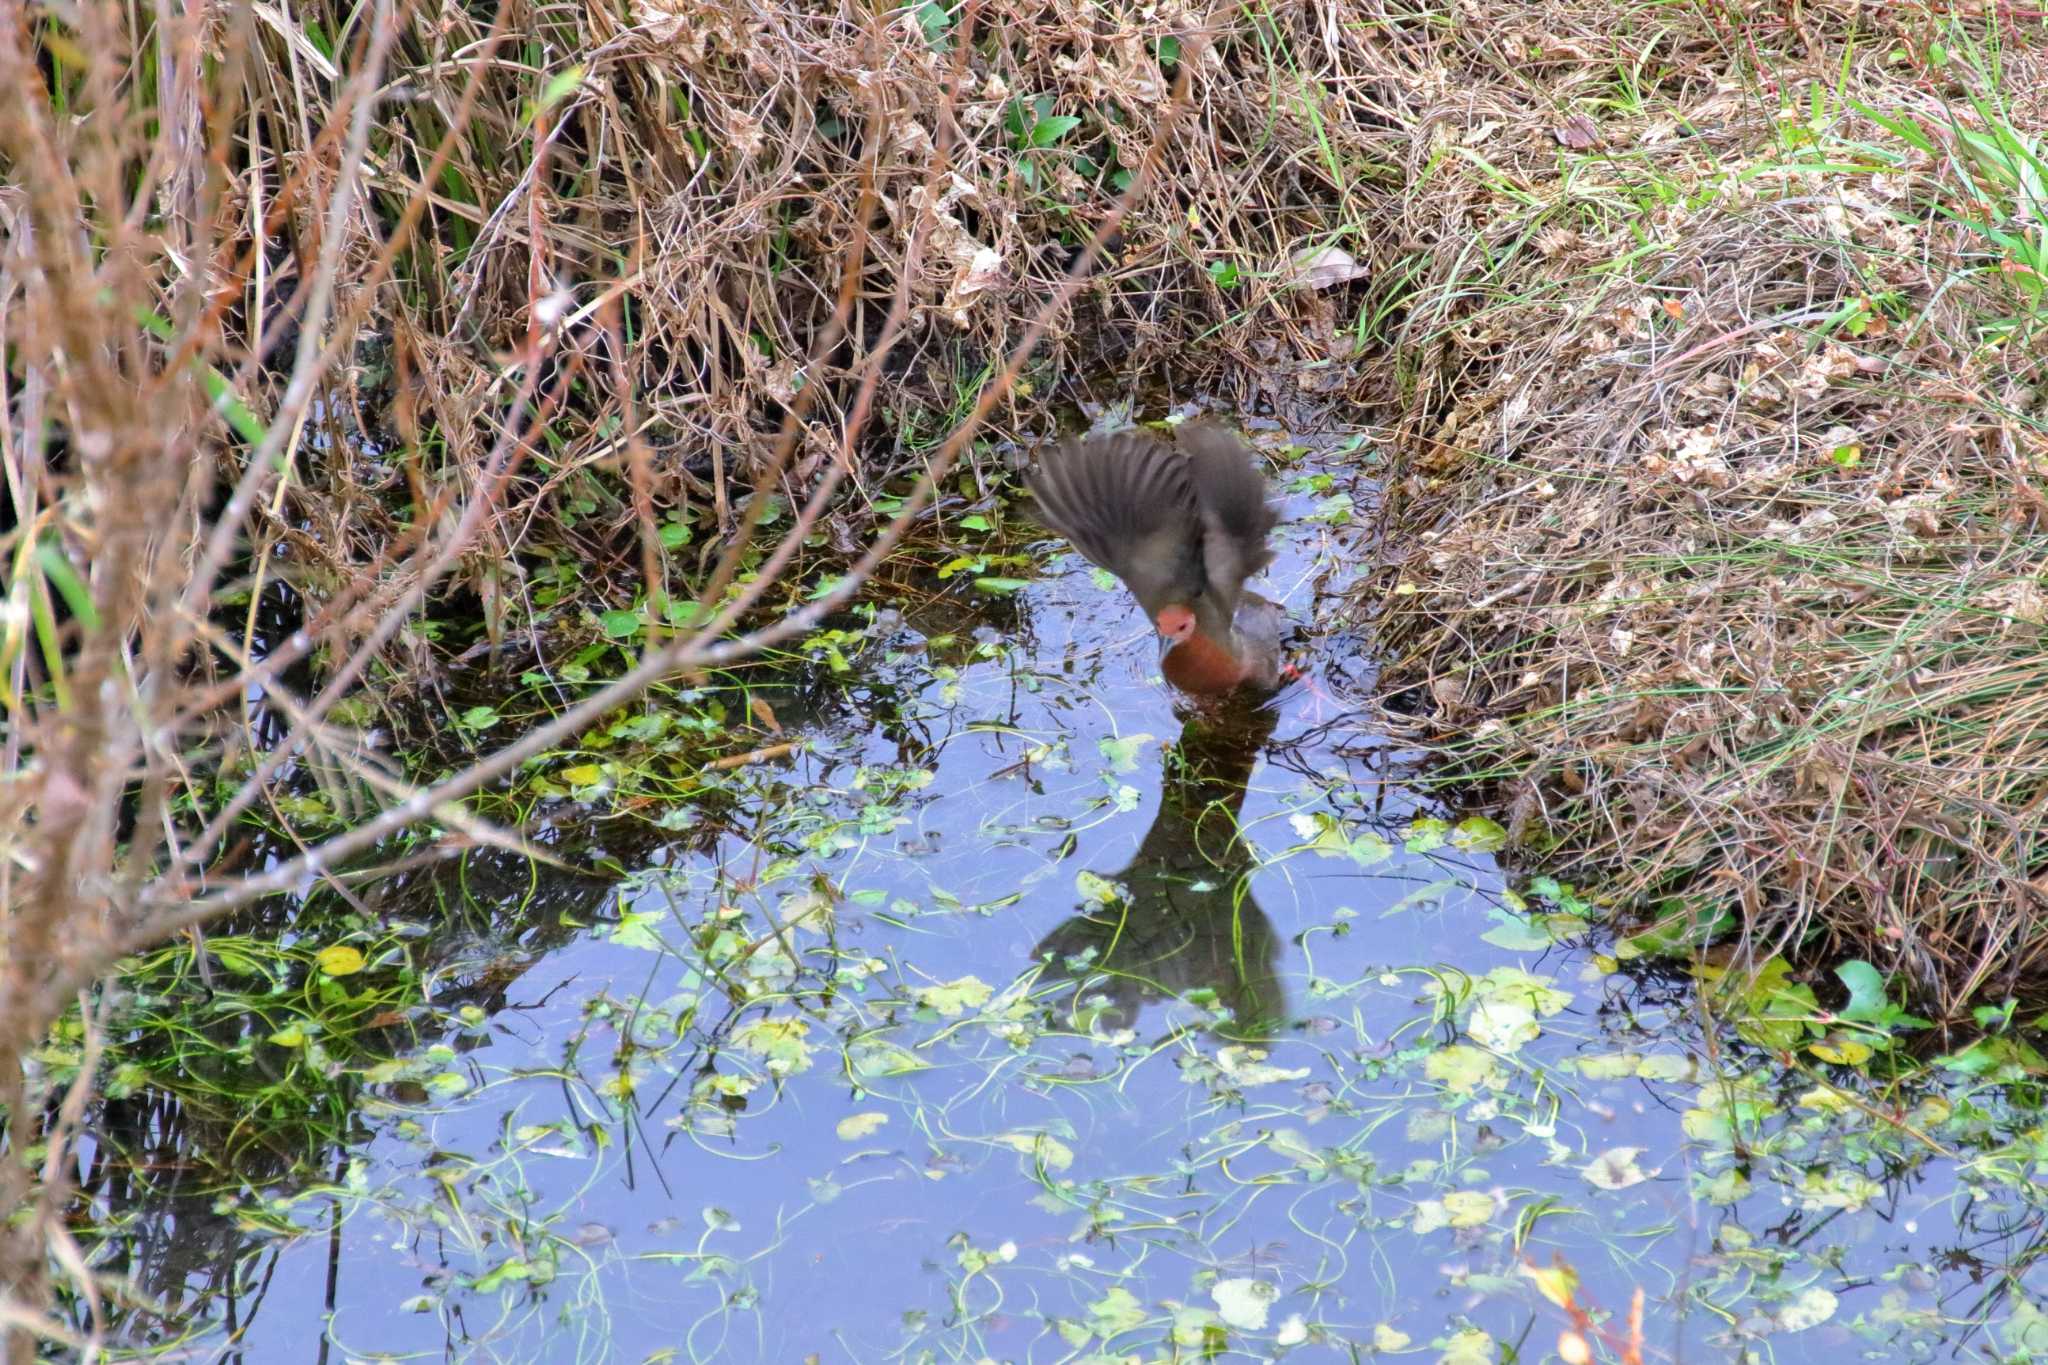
(1723,519)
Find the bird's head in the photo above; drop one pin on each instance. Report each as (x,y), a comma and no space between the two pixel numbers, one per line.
(1176,623)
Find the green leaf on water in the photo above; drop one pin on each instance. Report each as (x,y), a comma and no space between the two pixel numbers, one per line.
(1426,835)
(2001,1056)
(502,1274)
(1516,933)
(877,1058)
(1729,1187)
(1616,1168)
(1842,1050)
(1244,1303)
(620,625)
(1477,834)
(854,1127)
(1813,1307)
(1122,753)
(1324,833)
(2026,1331)
(1247,1066)
(1502,1025)
(1199,1328)
(781,1043)
(340,960)
(1867,999)
(1469,1346)
(1769,1007)
(1335,509)
(1096,889)
(954,998)
(446,1085)
(1870,1002)
(636,929)
(1043,1148)
(1458,1209)
(1002,585)
(1115,1313)
(1370,847)
(1461,1067)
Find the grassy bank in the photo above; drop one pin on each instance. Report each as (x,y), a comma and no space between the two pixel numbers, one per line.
(1721,541)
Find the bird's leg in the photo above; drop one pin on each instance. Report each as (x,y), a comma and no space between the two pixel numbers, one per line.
(1295,673)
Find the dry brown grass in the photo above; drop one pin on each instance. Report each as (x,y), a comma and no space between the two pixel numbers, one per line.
(1722,533)
(693,190)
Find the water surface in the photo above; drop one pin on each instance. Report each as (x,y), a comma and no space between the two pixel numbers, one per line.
(1024,1015)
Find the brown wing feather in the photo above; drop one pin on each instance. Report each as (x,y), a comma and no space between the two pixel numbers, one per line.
(1126,503)
(1230,497)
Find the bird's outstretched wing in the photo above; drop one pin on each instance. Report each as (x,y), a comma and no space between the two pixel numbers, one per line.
(1230,497)
(1127,502)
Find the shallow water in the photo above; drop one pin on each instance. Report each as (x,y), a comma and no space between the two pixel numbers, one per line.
(1023,1017)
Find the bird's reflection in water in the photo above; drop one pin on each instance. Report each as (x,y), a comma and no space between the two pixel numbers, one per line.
(1184,923)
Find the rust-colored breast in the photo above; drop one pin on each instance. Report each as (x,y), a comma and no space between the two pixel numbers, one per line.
(1200,665)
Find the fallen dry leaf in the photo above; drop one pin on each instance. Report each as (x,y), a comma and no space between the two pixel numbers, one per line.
(1577,132)
(1324,268)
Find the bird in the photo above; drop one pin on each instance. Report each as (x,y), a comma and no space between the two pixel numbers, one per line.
(1183,529)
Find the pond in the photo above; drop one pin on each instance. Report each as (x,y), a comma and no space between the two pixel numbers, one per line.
(1015,1014)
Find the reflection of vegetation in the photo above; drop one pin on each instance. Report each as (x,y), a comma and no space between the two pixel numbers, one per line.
(236,1096)
(1179,920)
